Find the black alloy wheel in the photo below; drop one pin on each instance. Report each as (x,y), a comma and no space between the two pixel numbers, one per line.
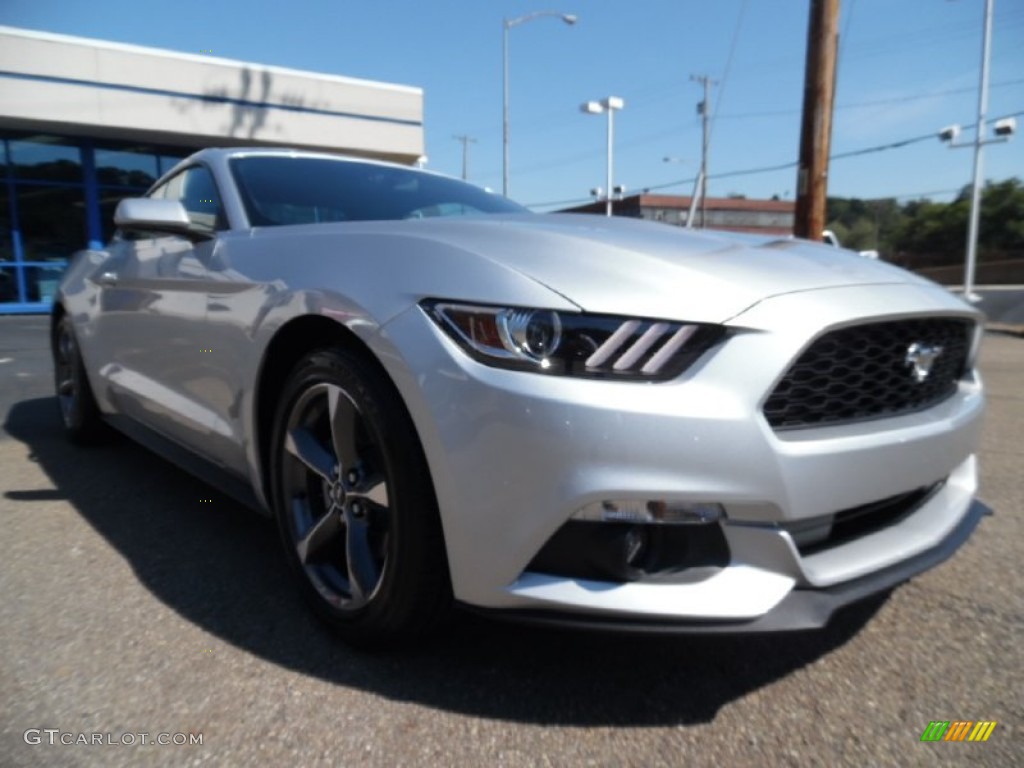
(79,413)
(354,502)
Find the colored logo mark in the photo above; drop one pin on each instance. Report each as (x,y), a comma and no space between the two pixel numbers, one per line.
(958,730)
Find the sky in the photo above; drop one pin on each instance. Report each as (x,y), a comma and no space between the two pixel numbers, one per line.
(907,69)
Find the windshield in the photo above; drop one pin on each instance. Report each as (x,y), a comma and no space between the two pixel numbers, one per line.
(280,190)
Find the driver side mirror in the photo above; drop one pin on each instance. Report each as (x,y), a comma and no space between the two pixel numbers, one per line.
(149,215)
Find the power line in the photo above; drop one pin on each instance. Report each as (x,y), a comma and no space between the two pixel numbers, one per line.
(673,129)
(919,195)
(782,166)
(903,196)
(843,37)
(564,202)
(728,61)
(545,123)
(873,102)
(933,36)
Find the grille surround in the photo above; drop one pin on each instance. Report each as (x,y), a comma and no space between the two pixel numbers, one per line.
(859,373)
(823,533)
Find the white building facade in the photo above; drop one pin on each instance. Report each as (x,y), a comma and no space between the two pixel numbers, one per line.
(85,123)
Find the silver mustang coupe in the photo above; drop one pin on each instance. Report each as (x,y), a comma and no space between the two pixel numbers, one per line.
(445,399)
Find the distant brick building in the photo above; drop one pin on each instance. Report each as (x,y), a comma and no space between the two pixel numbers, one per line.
(735,214)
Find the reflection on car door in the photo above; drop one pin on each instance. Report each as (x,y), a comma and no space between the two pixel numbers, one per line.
(153,305)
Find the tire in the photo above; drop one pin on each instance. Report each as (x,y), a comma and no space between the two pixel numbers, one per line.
(83,423)
(354,503)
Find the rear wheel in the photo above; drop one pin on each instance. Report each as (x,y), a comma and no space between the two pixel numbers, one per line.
(354,502)
(78,410)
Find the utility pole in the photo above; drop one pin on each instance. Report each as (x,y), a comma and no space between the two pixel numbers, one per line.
(466,141)
(816,125)
(979,143)
(704,110)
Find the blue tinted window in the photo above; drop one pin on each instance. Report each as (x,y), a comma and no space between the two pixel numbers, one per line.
(9,285)
(46,158)
(6,245)
(126,168)
(169,161)
(52,221)
(41,282)
(303,190)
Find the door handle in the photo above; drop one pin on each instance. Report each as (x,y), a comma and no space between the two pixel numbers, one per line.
(108,278)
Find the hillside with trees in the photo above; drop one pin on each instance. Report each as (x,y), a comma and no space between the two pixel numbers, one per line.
(931,237)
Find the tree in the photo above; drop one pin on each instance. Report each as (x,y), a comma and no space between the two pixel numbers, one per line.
(920,233)
(1002,217)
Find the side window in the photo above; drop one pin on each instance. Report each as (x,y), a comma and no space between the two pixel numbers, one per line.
(195,189)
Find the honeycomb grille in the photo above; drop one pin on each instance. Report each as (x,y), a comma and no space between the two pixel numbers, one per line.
(863,372)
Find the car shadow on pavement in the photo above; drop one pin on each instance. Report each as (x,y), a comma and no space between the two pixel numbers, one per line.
(217,565)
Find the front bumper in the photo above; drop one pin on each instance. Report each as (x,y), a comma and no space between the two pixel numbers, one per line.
(801,609)
(513,455)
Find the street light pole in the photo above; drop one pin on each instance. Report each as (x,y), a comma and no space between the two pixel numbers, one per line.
(608,105)
(506,25)
(504,121)
(611,144)
(1003,129)
(979,143)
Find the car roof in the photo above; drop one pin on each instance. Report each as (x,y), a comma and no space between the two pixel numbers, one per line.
(222,154)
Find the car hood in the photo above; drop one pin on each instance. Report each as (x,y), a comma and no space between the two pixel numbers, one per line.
(623,266)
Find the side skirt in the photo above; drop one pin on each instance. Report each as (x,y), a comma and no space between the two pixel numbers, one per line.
(224,481)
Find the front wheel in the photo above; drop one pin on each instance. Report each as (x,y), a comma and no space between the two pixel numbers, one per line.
(354,502)
(83,423)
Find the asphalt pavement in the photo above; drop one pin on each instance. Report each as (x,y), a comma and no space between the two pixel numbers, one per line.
(137,600)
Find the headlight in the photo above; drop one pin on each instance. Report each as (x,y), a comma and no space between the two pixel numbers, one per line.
(574,344)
